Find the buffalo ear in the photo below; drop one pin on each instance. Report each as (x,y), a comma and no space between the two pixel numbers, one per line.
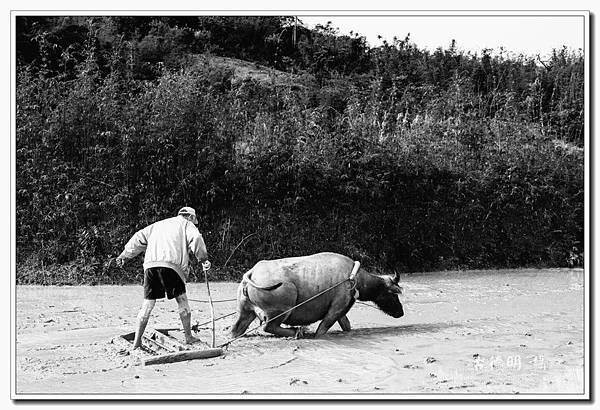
(396,278)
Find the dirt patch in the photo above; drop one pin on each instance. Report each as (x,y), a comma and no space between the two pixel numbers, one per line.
(463,332)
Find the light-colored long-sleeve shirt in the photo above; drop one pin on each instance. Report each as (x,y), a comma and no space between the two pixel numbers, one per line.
(167,244)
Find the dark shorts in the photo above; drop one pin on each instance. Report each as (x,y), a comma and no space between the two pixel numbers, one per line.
(158,281)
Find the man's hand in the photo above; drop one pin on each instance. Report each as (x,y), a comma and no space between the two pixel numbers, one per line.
(206,265)
(120,262)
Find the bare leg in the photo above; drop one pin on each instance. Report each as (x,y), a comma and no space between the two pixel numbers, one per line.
(344,323)
(142,321)
(185,314)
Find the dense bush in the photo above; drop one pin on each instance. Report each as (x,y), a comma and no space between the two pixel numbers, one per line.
(404,159)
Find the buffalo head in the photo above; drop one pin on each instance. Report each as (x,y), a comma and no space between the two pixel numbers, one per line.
(383,291)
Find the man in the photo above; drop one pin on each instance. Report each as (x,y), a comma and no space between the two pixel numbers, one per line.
(167,244)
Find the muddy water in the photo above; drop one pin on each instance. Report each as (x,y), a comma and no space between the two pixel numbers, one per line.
(463,332)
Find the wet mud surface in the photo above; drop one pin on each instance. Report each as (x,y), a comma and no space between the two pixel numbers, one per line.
(508,331)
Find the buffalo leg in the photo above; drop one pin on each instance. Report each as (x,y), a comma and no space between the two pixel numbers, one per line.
(330,318)
(246,314)
(344,323)
(275,328)
(325,324)
(285,297)
(337,313)
(245,318)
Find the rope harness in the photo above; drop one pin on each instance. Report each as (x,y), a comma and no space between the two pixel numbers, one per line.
(351,279)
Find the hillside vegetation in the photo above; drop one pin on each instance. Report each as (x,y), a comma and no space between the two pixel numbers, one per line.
(290,144)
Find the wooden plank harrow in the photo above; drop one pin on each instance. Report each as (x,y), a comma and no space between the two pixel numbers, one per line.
(167,349)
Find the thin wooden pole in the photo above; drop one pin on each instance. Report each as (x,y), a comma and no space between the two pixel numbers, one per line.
(212,311)
(182,356)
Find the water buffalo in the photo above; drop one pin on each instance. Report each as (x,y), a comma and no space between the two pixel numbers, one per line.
(273,286)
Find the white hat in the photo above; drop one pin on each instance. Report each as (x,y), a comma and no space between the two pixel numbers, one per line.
(186,210)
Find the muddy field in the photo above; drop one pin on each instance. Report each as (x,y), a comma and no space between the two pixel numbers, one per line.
(463,332)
